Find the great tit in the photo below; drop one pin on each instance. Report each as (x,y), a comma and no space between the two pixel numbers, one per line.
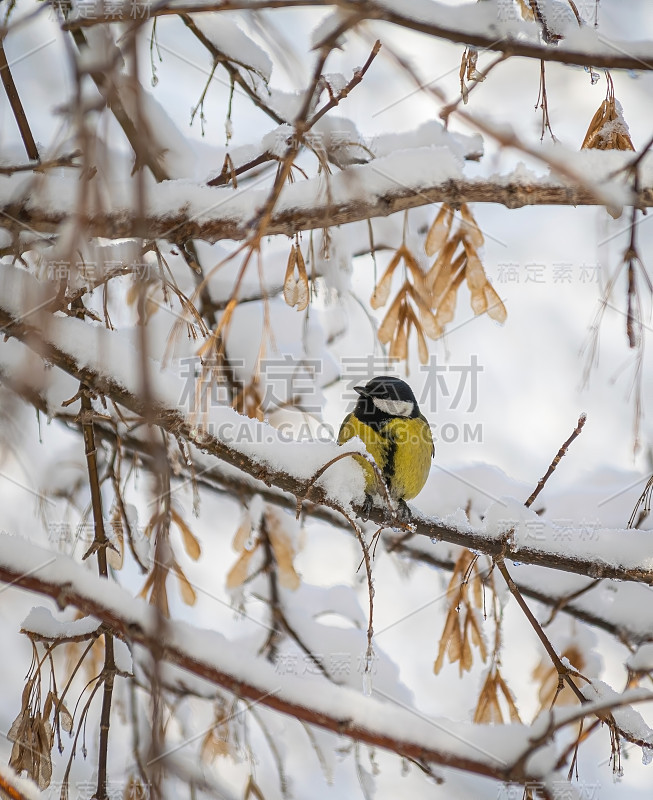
(396,435)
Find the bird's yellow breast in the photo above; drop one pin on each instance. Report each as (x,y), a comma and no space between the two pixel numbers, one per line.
(402,449)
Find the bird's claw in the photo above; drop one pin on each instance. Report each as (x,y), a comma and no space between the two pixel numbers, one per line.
(403,512)
(367,507)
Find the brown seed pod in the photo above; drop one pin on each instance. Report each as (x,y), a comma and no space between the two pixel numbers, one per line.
(382,289)
(439,230)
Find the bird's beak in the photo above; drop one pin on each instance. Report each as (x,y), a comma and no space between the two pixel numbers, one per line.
(362,391)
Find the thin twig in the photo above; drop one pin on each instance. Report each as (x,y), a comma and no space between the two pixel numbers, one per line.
(568,598)
(99,546)
(563,671)
(559,455)
(68,160)
(16,106)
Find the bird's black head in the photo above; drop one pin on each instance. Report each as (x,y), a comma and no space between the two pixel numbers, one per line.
(384,397)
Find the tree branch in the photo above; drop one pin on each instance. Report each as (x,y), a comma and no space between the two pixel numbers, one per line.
(69,160)
(16,106)
(244,487)
(173,421)
(209,655)
(215,221)
(473,27)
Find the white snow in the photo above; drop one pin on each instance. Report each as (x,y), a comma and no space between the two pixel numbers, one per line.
(41,621)
(227,37)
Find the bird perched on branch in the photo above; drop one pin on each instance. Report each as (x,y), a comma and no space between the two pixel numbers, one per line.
(396,435)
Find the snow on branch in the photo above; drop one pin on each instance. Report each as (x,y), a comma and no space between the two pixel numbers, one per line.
(105,361)
(493,751)
(180,210)
(574,595)
(485,25)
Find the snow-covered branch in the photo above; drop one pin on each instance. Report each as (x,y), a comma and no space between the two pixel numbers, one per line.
(483,26)
(262,452)
(179,211)
(576,596)
(481,749)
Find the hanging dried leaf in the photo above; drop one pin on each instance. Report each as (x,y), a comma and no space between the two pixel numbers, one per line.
(382,289)
(151,302)
(526,10)
(466,657)
(475,628)
(426,301)
(428,322)
(446,308)
(65,718)
(391,319)
(461,630)
(155,585)
(290,282)
(468,70)
(399,344)
(239,573)
(440,273)
(439,231)
(546,675)
(455,649)
(191,543)
(488,710)
(608,129)
(512,707)
(450,623)
(422,349)
(283,548)
(295,288)
(469,229)
(495,307)
(188,594)
(417,274)
(303,292)
(243,533)
(476,281)
(33,739)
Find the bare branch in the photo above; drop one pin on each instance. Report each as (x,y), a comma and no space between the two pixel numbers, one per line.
(68,160)
(559,455)
(17,106)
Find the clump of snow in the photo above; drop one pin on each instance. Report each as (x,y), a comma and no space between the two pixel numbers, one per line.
(430,134)
(24,787)
(625,716)
(641,660)
(326,27)
(42,621)
(531,531)
(227,37)
(276,141)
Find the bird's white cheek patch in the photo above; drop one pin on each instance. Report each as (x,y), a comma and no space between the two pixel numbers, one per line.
(396,408)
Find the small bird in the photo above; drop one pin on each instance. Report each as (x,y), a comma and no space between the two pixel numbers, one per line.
(398,437)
